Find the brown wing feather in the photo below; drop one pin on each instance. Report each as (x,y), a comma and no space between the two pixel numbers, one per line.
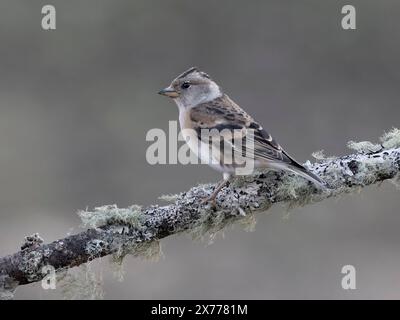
(222,113)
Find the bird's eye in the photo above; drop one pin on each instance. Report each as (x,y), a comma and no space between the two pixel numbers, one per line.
(185,85)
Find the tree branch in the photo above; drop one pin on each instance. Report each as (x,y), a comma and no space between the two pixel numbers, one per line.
(120,231)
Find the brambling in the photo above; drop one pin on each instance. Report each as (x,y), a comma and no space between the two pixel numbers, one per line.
(203,106)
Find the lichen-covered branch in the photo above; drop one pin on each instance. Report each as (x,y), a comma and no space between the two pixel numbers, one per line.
(115,231)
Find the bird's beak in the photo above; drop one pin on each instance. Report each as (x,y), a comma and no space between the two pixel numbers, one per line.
(169,92)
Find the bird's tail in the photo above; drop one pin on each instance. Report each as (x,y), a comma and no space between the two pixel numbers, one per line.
(292,165)
(309,176)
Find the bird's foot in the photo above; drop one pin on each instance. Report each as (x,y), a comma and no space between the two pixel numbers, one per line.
(210,200)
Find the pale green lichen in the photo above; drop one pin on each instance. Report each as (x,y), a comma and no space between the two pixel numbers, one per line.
(320,156)
(7,287)
(147,250)
(117,269)
(208,226)
(169,197)
(295,191)
(391,139)
(248,222)
(81,283)
(150,250)
(363,146)
(122,218)
(111,214)
(388,140)
(212,224)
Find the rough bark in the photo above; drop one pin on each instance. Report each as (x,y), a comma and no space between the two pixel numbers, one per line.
(119,231)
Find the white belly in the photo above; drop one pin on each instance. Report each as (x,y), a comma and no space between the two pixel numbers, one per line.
(207,154)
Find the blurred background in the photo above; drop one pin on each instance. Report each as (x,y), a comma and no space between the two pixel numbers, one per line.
(76,104)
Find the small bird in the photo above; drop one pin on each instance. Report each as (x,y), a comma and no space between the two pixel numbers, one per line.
(204,106)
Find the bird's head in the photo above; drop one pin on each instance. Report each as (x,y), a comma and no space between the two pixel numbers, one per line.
(191,88)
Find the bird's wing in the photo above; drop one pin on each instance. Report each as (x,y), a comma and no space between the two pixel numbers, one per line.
(222,113)
(224,116)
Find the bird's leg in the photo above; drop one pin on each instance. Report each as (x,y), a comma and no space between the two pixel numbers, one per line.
(220,185)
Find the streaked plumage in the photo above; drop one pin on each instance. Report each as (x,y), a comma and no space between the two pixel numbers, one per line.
(203,106)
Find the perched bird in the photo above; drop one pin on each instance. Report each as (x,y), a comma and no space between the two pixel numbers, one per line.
(203,105)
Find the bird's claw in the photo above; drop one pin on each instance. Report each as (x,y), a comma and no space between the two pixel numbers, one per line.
(211,200)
